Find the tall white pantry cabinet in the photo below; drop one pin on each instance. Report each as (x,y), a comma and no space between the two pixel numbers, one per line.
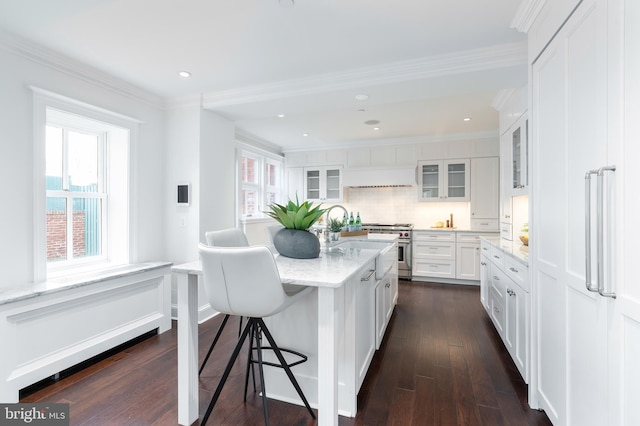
(585,138)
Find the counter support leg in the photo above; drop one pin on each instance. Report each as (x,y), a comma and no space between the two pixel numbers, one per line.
(187,348)
(327,357)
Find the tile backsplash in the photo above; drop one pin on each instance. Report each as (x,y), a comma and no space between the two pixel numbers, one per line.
(401,205)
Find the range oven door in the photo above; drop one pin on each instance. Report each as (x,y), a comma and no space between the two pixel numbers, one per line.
(404,259)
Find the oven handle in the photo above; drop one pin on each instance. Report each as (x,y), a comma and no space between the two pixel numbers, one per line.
(407,251)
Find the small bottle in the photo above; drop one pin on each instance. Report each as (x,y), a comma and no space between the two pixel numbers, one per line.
(358,222)
(352,223)
(345,222)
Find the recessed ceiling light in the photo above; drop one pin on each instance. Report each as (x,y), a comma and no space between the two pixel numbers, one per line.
(305,134)
(376,128)
(467,119)
(372,122)
(362,97)
(361,110)
(184,74)
(280,115)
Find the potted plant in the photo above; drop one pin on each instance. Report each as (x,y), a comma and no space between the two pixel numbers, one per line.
(294,240)
(335,226)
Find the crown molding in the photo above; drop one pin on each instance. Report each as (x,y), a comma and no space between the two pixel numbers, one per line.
(256,142)
(501,97)
(499,56)
(527,14)
(64,64)
(367,143)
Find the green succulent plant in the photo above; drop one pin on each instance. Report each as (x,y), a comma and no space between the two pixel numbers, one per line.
(335,225)
(296,215)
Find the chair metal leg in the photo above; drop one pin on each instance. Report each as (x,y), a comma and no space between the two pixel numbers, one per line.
(250,365)
(265,410)
(215,340)
(284,364)
(226,373)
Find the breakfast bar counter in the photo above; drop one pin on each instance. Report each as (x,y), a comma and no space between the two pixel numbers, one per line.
(335,266)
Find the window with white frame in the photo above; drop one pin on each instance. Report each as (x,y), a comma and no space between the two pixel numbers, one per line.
(76,192)
(261,182)
(82,205)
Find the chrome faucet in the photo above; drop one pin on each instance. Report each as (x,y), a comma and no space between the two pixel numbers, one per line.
(333,207)
(326,231)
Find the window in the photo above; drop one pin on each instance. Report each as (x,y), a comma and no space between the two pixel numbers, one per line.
(76,194)
(261,179)
(82,199)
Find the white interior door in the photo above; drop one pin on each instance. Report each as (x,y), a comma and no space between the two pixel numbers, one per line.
(624,348)
(570,106)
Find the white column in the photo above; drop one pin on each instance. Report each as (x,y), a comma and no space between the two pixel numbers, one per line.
(327,356)
(187,348)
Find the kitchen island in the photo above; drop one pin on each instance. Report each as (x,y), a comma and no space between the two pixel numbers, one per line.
(328,315)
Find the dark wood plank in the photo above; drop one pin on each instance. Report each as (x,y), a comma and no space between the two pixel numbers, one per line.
(441,363)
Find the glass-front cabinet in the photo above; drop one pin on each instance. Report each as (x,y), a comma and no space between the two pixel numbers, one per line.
(323,183)
(520,156)
(443,180)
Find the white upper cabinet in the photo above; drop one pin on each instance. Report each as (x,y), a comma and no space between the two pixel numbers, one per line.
(484,193)
(323,183)
(519,157)
(445,180)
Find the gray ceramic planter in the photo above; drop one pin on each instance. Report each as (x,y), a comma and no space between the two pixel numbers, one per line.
(296,243)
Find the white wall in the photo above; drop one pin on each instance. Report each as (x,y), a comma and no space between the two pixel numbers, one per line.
(180,228)
(16,163)
(217,173)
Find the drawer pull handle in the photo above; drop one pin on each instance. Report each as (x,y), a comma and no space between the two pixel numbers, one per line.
(496,310)
(511,292)
(496,278)
(497,257)
(368,277)
(512,269)
(483,264)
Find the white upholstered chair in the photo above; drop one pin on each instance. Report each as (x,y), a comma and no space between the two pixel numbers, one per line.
(233,237)
(245,281)
(271,231)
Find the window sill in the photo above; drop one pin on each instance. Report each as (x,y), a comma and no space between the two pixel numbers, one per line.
(257,219)
(71,281)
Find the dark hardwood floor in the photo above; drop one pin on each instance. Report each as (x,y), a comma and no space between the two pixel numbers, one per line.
(442,363)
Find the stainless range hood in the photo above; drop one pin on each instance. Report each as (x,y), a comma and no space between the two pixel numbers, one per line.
(367,177)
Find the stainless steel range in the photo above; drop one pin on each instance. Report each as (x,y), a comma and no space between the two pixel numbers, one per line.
(404,231)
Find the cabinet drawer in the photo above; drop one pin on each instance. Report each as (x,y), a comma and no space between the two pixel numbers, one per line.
(434,236)
(497,256)
(434,268)
(517,272)
(497,313)
(505,231)
(485,224)
(485,249)
(434,250)
(471,237)
(499,283)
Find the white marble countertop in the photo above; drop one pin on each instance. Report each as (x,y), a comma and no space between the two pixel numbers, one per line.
(331,269)
(514,248)
(14,294)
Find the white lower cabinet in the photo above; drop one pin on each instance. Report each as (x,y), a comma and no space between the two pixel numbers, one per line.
(365,301)
(485,280)
(386,296)
(434,254)
(504,293)
(449,255)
